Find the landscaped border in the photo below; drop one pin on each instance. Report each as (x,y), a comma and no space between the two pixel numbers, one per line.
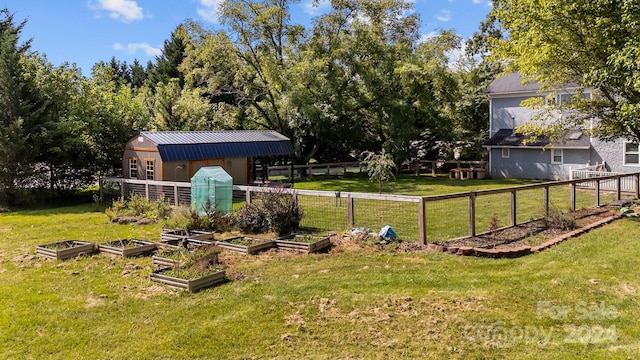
(518,251)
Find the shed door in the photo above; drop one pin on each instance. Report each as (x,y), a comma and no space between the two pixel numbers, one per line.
(194,166)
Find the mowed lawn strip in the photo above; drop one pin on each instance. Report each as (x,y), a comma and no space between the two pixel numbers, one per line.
(351,303)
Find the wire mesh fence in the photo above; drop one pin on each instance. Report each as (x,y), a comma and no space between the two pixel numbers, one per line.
(446,218)
(423,218)
(323,212)
(529,205)
(375,213)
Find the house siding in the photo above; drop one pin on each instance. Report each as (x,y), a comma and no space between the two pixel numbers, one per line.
(507,113)
(612,153)
(528,163)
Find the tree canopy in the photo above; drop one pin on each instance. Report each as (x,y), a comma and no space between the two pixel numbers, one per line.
(358,79)
(588,44)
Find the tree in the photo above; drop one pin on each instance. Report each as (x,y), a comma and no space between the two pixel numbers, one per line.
(592,44)
(168,63)
(379,167)
(173,109)
(20,107)
(345,82)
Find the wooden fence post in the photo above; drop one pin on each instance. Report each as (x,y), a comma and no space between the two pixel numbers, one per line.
(100,188)
(433,168)
(514,208)
(247,195)
(597,193)
(636,184)
(545,199)
(472,214)
(572,188)
(619,188)
(175,193)
(146,190)
(422,226)
(350,219)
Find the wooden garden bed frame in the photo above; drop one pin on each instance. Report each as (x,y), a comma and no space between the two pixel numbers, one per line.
(244,249)
(65,249)
(178,234)
(192,285)
(141,247)
(292,242)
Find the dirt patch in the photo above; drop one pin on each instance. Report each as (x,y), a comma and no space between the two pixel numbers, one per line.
(532,233)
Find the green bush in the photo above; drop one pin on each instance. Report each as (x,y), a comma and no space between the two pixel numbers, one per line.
(273,211)
(185,217)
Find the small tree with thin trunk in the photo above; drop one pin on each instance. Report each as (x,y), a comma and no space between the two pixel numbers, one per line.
(379,167)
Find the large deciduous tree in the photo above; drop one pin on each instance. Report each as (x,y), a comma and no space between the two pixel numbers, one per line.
(592,44)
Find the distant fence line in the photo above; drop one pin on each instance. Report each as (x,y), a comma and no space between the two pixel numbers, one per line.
(433,218)
(341,168)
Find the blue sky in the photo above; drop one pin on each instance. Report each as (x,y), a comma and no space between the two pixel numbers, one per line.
(87,31)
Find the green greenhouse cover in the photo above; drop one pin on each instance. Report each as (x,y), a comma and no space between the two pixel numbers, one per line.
(212,186)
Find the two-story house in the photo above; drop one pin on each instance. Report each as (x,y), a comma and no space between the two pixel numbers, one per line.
(510,156)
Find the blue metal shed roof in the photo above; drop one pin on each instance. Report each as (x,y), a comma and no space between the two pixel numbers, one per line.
(199,145)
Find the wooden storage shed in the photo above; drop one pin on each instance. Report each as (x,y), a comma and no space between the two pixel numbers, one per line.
(178,155)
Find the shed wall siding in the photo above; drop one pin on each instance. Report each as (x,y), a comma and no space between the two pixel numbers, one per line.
(238,169)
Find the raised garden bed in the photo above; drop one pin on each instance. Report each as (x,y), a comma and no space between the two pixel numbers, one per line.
(182,280)
(127,247)
(179,234)
(245,244)
(170,257)
(303,243)
(184,243)
(65,249)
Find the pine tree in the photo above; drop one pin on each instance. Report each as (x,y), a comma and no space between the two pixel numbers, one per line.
(19,110)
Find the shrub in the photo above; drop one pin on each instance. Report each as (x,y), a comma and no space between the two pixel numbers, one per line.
(559,220)
(139,206)
(273,211)
(184,217)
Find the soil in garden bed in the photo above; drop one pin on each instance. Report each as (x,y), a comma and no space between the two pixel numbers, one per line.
(532,233)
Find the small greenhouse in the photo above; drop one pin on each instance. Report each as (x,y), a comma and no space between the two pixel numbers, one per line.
(212,185)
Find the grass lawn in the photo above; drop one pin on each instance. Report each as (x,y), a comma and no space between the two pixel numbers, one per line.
(423,185)
(577,300)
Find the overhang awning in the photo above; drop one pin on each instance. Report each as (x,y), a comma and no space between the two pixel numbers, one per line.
(574,139)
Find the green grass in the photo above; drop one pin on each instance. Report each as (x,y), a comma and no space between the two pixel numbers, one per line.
(351,303)
(423,185)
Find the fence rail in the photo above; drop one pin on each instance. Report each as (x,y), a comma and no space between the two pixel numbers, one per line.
(435,218)
(341,168)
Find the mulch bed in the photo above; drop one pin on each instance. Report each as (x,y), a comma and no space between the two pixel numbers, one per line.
(533,234)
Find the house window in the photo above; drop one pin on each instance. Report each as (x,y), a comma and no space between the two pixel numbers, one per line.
(133,168)
(505,153)
(631,154)
(149,169)
(566,99)
(556,156)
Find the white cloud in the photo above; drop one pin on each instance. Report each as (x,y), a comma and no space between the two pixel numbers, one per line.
(319,8)
(208,10)
(444,15)
(134,47)
(477,1)
(428,36)
(123,10)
